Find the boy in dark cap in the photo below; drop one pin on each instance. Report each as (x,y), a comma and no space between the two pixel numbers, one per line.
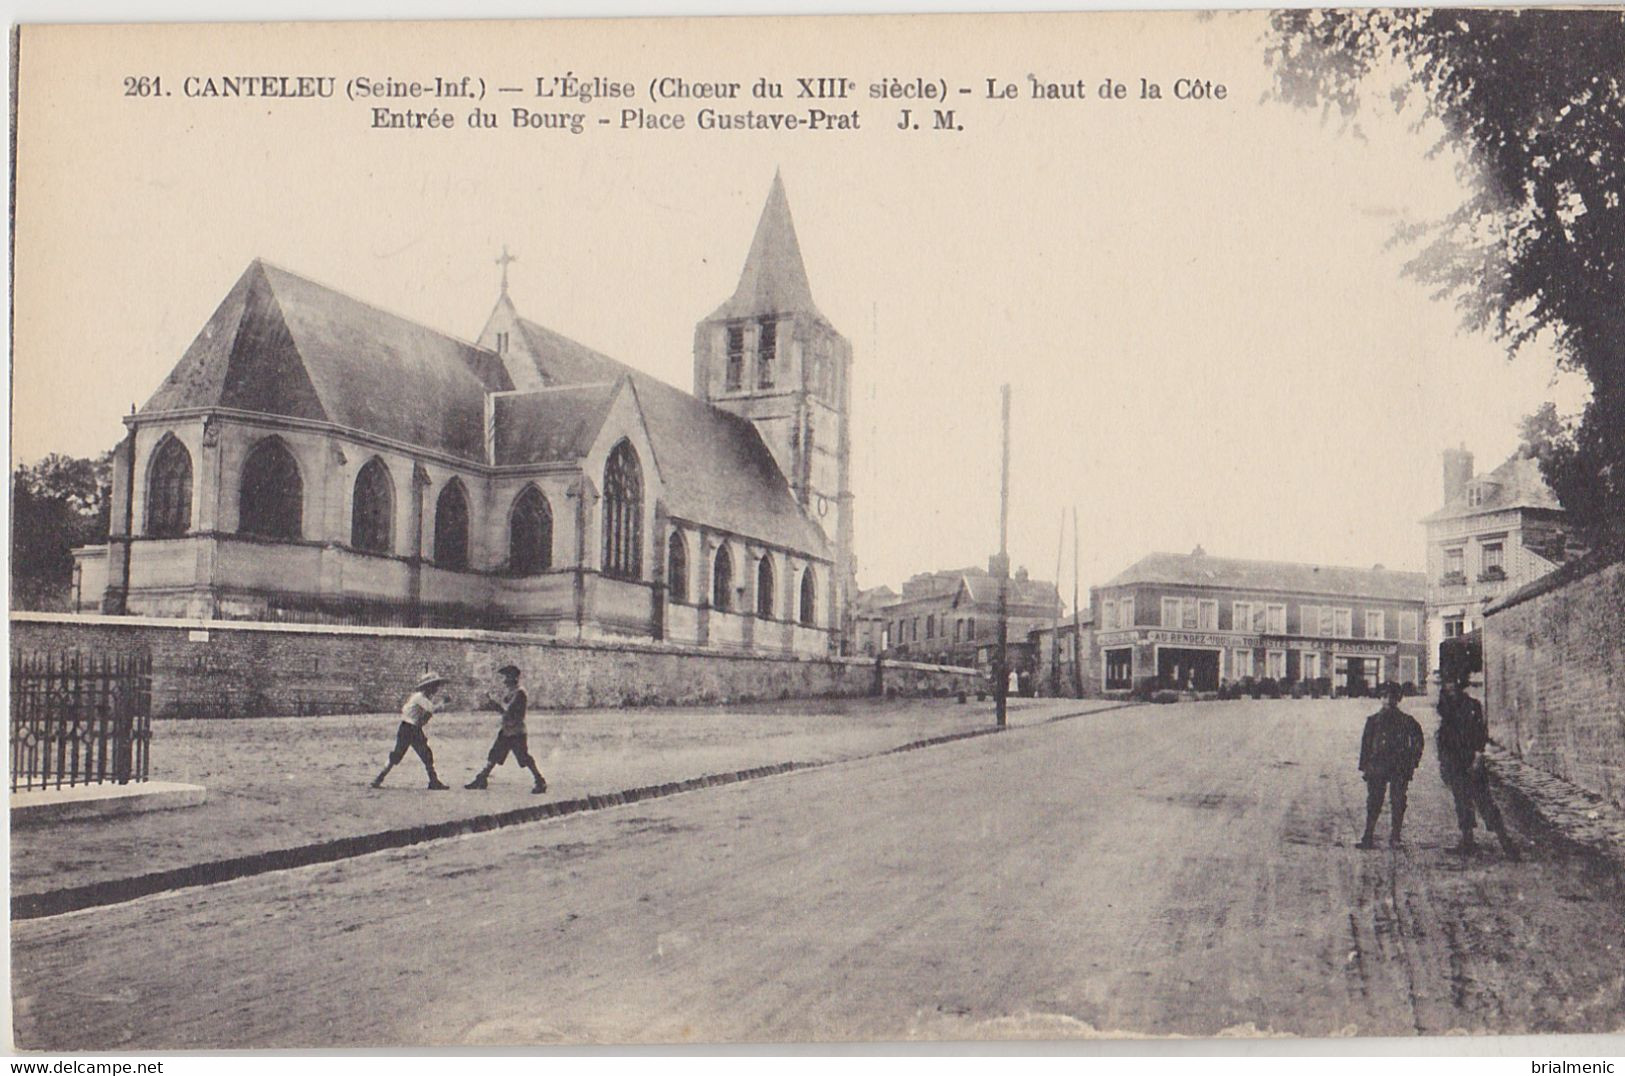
(1389,752)
(412,734)
(1461,738)
(510,700)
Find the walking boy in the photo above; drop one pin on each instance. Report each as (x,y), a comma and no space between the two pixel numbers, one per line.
(415,715)
(1461,737)
(511,736)
(1389,752)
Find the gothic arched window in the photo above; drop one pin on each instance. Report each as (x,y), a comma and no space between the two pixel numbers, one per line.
(677,568)
(623,514)
(372,509)
(530,533)
(809,598)
(722,580)
(169,490)
(271,497)
(451,527)
(764,586)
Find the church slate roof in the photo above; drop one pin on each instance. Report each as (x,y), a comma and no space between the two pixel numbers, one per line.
(283,345)
(1517,483)
(548,425)
(774,280)
(1202,570)
(715,466)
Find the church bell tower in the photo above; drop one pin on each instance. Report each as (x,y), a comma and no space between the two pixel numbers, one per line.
(769,355)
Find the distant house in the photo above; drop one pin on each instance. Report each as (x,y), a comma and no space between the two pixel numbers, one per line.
(1188,621)
(952,617)
(1061,656)
(1495,533)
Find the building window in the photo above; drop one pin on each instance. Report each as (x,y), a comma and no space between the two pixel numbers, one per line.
(271,496)
(677,568)
(1375,626)
(1108,615)
(623,514)
(764,587)
(502,343)
(1408,627)
(1311,665)
(959,630)
(1125,612)
(809,597)
(930,626)
(1491,563)
(1251,616)
(1407,669)
(1343,623)
(451,527)
(169,490)
(736,357)
(1275,619)
(1454,626)
(722,580)
(1171,609)
(1475,496)
(1120,669)
(1207,615)
(914,631)
(1241,663)
(530,533)
(970,628)
(1454,567)
(767,352)
(372,509)
(1275,664)
(1308,620)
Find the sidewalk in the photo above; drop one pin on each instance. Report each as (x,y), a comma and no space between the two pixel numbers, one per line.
(283,783)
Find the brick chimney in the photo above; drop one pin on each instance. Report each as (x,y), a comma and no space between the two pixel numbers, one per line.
(1458,471)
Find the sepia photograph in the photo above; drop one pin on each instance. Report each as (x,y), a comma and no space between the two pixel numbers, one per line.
(999,529)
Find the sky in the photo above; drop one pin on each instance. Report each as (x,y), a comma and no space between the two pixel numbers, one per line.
(1206,329)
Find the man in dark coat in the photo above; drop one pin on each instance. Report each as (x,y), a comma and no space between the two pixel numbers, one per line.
(1390,750)
(1460,741)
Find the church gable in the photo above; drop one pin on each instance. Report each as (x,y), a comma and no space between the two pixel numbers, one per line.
(244,358)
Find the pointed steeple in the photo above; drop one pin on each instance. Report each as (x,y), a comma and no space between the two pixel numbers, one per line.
(774,280)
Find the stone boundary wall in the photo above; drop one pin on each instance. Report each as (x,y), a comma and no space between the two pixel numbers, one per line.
(247,669)
(1554,674)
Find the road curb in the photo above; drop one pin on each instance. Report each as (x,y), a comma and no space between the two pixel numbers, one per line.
(122,890)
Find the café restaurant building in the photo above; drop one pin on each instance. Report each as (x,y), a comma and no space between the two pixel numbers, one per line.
(1192,620)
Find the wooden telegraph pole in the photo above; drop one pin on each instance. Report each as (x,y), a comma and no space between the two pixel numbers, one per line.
(1001,664)
(1077,630)
(1055,621)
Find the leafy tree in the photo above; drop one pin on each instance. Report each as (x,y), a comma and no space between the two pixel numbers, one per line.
(57,504)
(1534,101)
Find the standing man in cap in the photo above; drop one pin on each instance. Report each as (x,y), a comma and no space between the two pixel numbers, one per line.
(510,700)
(1389,752)
(1460,741)
(415,715)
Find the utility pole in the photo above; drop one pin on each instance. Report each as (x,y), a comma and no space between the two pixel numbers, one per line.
(1055,621)
(1077,619)
(1001,664)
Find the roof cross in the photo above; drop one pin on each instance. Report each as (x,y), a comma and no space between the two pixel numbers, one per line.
(503,261)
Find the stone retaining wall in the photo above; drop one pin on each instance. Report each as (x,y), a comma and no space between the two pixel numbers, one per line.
(245,669)
(1554,674)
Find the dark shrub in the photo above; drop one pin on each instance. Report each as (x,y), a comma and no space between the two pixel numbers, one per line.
(1165,696)
(1270,688)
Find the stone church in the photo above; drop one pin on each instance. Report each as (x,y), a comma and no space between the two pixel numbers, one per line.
(312,458)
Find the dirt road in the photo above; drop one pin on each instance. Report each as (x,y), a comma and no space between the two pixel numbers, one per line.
(1179,869)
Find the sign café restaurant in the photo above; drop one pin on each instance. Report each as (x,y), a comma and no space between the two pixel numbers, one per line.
(1190,621)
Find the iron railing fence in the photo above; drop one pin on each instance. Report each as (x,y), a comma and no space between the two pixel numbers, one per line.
(78,720)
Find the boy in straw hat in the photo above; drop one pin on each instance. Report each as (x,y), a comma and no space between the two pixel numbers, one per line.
(415,715)
(510,700)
